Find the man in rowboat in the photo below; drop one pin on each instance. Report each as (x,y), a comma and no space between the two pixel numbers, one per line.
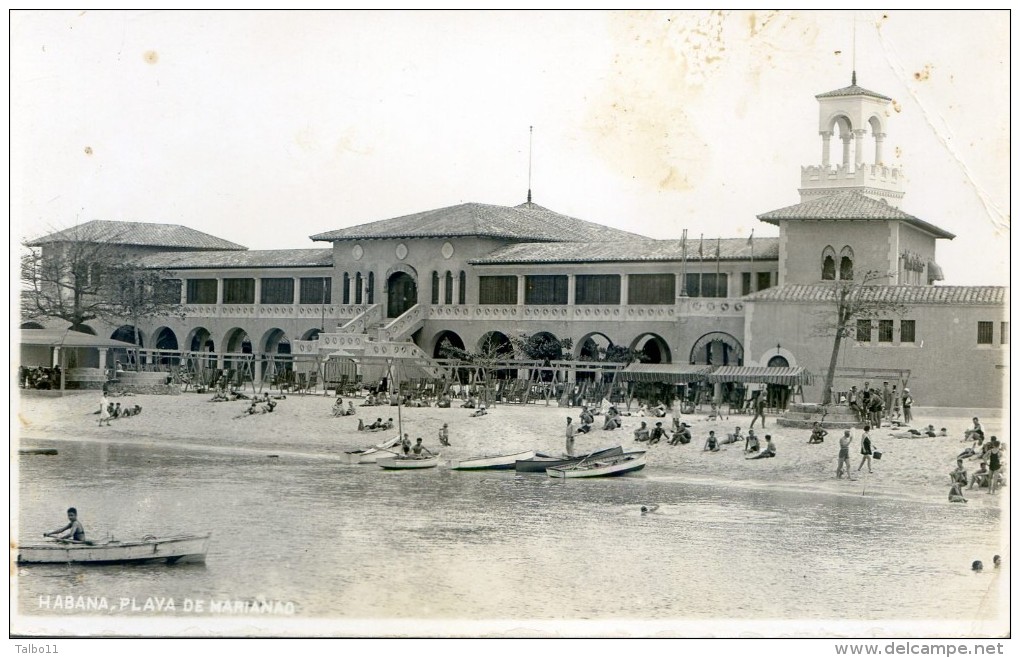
(74,528)
(418,448)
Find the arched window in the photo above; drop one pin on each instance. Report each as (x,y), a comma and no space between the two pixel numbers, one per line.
(828,264)
(357,288)
(462,295)
(371,288)
(448,293)
(347,288)
(846,264)
(435,287)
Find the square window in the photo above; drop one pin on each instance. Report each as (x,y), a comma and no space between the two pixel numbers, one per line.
(885,331)
(1004,333)
(907,331)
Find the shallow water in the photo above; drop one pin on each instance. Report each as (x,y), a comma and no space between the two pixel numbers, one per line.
(358,542)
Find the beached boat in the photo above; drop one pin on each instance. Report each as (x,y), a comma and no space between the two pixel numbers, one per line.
(491,462)
(370,454)
(628,462)
(539,463)
(401,462)
(172,550)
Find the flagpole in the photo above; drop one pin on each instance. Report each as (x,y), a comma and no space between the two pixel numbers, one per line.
(750,241)
(701,265)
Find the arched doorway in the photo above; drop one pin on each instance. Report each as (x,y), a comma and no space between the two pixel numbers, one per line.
(596,347)
(275,356)
(717,348)
(444,340)
(401,294)
(236,341)
(653,347)
(127,358)
(164,338)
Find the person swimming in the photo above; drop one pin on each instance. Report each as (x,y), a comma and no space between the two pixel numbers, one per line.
(647,509)
(976,565)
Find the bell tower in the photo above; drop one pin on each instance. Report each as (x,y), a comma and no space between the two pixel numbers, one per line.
(856,118)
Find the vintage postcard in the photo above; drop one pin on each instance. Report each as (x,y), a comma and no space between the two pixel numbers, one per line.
(438,324)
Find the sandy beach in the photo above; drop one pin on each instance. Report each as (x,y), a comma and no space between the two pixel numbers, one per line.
(302,426)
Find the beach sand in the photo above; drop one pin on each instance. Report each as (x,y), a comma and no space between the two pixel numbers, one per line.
(302,426)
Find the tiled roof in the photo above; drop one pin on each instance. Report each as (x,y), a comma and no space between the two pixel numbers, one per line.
(528,222)
(851,205)
(852,90)
(627,252)
(171,236)
(963,295)
(239,259)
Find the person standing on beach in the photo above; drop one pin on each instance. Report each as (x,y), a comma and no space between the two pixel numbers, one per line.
(908,402)
(887,396)
(896,401)
(104,411)
(444,435)
(570,437)
(759,409)
(844,455)
(865,449)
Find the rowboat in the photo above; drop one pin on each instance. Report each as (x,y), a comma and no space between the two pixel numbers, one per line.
(171,550)
(540,462)
(628,462)
(491,462)
(370,454)
(401,462)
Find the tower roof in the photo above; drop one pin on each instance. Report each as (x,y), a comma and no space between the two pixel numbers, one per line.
(853,90)
(849,205)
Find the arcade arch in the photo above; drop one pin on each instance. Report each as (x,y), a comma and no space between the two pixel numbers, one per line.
(654,347)
(717,348)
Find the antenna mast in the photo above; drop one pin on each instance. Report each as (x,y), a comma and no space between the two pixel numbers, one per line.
(531,130)
(853,52)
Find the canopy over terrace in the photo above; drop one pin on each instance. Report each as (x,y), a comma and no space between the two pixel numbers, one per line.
(62,339)
(785,376)
(668,373)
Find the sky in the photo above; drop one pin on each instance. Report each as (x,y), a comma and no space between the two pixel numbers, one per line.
(266,128)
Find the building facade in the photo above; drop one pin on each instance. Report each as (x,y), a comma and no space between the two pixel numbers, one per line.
(474,275)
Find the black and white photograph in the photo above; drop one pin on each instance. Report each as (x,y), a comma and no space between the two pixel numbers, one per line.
(511,324)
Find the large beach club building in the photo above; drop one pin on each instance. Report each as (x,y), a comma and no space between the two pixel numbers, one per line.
(473,275)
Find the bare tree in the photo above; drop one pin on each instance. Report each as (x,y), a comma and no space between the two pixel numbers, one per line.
(852,301)
(487,360)
(78,280)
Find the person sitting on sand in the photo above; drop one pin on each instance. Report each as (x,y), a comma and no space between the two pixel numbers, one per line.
(470,403)
(642,433)
(817,434)
(377,425)
(659,410)
(350,411)
(657,433)
(368,401)
(955,495)
(444,401)
(480,411)
(751,442)
(974,432)
(388,425)
(769,451)
(980,476)
(612,419)
(711,443)
(958,474)
(586,420)
(338,408)
(268,407)
(681,435)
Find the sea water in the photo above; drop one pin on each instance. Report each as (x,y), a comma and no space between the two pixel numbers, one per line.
(353,542)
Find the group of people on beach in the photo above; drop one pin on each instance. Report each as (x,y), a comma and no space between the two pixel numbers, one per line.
(872,405)
(988,454)
(109,411)
(39,378)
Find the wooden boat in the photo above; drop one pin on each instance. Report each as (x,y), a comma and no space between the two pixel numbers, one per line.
(628,462)
(370,454)
(171,550)
(540,462)
(491,462)
(401,462)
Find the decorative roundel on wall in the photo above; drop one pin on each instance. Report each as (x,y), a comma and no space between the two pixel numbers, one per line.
(447,250)
(357,252)
(401,251)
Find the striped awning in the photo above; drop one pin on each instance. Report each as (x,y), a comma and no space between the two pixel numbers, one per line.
(667,373)
(760,375)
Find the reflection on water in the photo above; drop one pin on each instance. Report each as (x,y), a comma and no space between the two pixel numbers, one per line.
(357,542)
